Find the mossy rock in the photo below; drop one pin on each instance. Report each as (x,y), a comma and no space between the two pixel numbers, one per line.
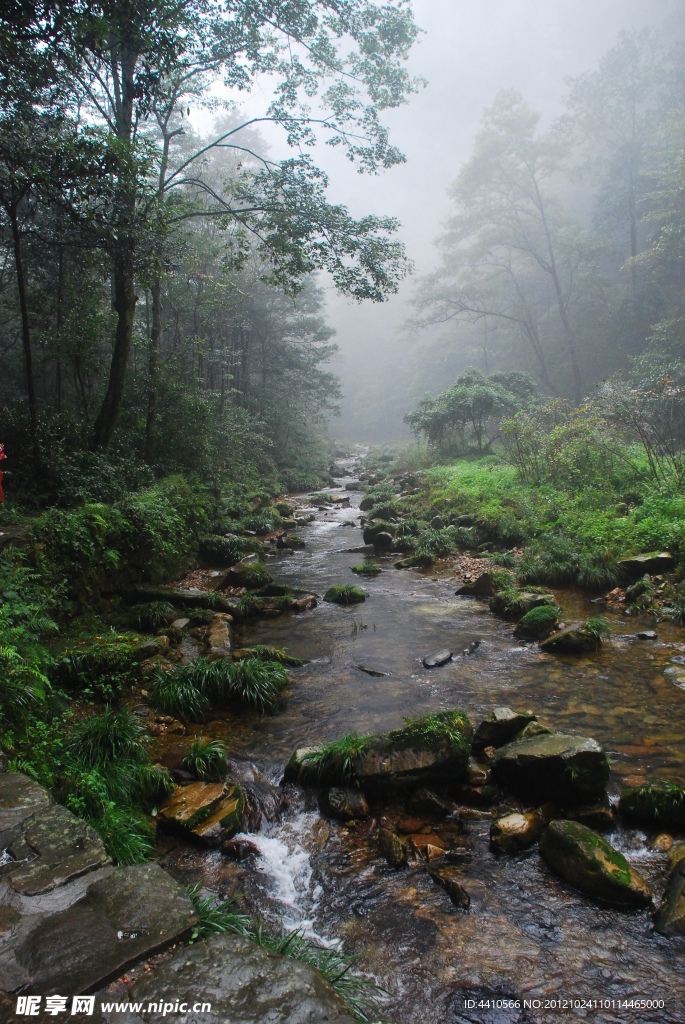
(290,541)
(538,623)
(430,748)
(568,770)
(252,576)
(387,511)
(340,594)
(424,561)
(578,639)
(514,604)
(284,509)
(368,569)
(588,862)
(661,805)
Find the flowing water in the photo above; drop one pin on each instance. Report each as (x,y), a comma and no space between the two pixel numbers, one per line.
(526,935)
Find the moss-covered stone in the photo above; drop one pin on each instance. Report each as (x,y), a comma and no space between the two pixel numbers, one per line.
(340,594)
(373,530)
(538,623)
(422,561)
(367,569)
(514,604)
(588,862)
(251,575)
(578,639)
(660,804)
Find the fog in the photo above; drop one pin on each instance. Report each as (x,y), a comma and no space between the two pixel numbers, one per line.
(470,50)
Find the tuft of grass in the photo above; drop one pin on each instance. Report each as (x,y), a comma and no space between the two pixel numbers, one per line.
(128,836)
(175,694)
(206,759)
(193,690)
(266,653)
(154,615)
(217,916)
(597,627)
(367,569)
(343,594)
(335,760)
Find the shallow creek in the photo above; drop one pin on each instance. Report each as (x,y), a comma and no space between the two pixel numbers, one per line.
(526,935)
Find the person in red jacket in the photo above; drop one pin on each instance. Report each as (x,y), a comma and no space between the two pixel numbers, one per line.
(2,456)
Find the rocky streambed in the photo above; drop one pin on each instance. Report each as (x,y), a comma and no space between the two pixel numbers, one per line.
(474,857)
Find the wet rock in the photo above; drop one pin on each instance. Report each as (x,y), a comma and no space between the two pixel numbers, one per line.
(516,604)
(669,919)
(479,775)
(482,586)
(152,647)
(180,623)
(647,634)
(534,728)
(657,804)
(675,855)
(425,801)
(588,862)
(373,672)
(423,561)
(373,530)
(663,843)
(240,849)
(124,916)
(353,485)
(449,880)
(20,798)
(392,848)
(426,846)
(248,574)
(243,983)
(652,562)
(501,725)
(343,803)
(408,825)
(515,832)
(298,768)
(566,769)
(212,811)
(290,541)
(303,604)
(438,659)
(62,847)
(576,639)
(219,635)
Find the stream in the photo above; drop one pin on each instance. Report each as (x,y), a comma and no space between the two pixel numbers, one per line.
(526,934)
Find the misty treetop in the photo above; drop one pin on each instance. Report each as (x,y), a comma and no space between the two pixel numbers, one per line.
(562,254)
(139,255)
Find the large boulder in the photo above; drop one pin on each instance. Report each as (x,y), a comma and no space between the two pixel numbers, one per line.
(501,725)
(212,811)
(651,562)
(431,748)
(588,862)
(557,767)
(660,805)
(232,979)
(372,530)
(538,623)
(483,586)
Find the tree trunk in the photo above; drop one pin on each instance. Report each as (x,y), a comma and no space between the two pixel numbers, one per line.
(125,306)
(26,337)
(155,335)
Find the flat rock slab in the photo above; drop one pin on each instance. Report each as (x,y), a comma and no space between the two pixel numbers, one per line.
(127,915)
(588,862)
(212,811)
(557,767)
(20,798)
(651,562)
(501,725)
(243,983)
(62,847)
(437,659)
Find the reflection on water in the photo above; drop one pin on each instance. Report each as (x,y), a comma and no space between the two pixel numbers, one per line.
(526,933)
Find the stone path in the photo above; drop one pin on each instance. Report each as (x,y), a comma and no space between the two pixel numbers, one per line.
(72,923)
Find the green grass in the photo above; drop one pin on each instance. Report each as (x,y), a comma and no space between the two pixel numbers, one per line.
(206,760)
(367,569)
(154,615)
(343,594)
(191,691)
(266,653)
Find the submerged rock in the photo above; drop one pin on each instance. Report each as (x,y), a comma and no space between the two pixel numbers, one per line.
(515,832)
(212,811)
(437,659)
(589,863)
(448,879)
(556,767)
(501,725)
(343,803)
(660,804)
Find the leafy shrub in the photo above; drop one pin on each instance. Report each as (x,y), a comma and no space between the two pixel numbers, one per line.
(103,664)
